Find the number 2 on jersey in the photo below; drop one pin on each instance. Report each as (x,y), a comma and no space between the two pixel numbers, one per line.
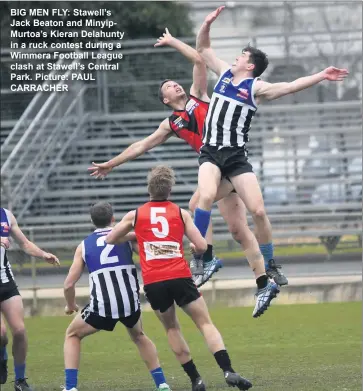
(155,218)
(104,257)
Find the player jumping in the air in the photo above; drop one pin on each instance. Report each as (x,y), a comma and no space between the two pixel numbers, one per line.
(187,122)
(114,297)
(234,102)
(160,226)
(11,303)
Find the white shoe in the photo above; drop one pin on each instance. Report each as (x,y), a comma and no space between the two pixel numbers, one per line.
(72,389)
(164,387)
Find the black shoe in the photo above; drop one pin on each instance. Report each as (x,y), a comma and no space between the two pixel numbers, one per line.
(22,385)
(3,371)
(236,380)
(198,385)
(273,272)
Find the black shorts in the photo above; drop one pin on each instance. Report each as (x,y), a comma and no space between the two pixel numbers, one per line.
(8,290)
(108,324)
(162,295)
(232,161)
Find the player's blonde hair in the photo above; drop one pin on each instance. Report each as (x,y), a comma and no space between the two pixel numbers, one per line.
(160,181)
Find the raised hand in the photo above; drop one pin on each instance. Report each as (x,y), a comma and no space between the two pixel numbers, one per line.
(100,170)
(214,15)
(165,39)
(335,74)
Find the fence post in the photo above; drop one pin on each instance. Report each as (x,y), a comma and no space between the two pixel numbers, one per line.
(214,292)
(34,309)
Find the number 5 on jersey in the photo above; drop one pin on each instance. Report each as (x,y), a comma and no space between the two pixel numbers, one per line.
(157,218)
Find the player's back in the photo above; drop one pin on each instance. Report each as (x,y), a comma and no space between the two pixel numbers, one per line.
(114,287)
(159,229)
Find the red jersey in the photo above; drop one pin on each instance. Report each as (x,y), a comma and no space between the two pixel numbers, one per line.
(188,123)
(159,229)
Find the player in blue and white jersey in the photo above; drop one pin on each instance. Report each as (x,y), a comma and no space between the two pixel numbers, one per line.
(233,105)
(114,297)
(11,303)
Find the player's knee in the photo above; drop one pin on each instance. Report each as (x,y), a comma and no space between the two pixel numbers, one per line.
(19,331)
(259,212)
(73,332)
(206,199)
(138,337)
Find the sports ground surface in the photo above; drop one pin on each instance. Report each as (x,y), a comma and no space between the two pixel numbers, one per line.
(290,348)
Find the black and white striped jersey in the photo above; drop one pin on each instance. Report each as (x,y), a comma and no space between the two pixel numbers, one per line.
(230,113)
(114,286)
(6,274)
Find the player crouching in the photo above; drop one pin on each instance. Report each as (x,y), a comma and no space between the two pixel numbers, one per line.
(114,297)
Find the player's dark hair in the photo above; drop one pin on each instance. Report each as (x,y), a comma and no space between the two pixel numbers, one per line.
(101,214)
(160,93)
(258,58)
(160,181)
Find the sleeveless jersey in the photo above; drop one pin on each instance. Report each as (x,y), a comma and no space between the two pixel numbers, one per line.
(159,229)
(188,124)
(114,287)
(230,113)
(6,274)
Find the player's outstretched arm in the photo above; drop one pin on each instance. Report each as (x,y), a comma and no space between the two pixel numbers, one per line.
(73,276)
(29,247)
(119,231)
(200,82)
(270,91)
(217,65)
(193,233)
(100,170)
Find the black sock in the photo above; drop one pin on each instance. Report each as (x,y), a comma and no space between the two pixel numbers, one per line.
(223,361)
(262,281)
(191,370)
(208,255)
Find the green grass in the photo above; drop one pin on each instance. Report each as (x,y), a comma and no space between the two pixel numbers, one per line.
(291,348)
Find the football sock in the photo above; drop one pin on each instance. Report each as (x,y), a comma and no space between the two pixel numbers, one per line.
(158,376)
(191,370)
(208,255)
(267,251)
(201,220)
(19,371)
(223,360)
(71,378)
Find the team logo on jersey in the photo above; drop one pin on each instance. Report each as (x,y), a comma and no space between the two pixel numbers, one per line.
(223,88)
(226,80)
(191,106)
(5,227)
(243,93)
(178,122)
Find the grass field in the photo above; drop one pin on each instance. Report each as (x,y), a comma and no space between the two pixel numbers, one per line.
(291,348)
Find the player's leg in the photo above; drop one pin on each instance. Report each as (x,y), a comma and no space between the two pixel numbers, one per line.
(160,297)
(13,311)
(146,348)
(233,212)
(76,331)
(211,263)
(179,346)
(198,312)
(248,189)
(209,177)
(3,352)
